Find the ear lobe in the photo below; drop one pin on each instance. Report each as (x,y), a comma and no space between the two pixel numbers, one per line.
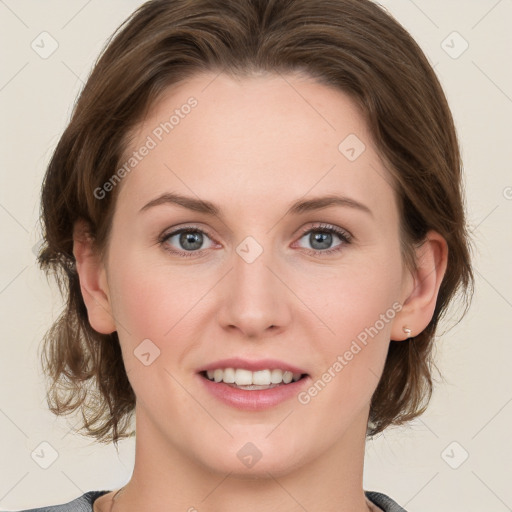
(93,282)
(420,301)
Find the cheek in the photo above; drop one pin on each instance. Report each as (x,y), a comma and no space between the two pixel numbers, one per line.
(146,300)
(150,303)
(354,298)
(358,306)
(160,302)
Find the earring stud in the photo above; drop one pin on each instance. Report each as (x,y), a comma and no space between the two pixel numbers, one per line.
(407,331)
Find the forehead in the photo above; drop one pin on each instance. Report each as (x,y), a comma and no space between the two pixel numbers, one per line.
(283,136)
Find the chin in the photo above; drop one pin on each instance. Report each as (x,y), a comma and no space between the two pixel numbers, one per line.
(250,460)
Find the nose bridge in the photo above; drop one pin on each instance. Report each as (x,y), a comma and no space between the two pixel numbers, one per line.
(254,298)
(251,274)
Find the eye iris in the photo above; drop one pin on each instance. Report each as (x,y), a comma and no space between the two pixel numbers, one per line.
(325,240)
(191,241)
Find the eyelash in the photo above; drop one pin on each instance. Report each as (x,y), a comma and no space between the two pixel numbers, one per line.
(344,236)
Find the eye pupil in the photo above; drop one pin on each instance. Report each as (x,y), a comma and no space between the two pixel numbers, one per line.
(325,240)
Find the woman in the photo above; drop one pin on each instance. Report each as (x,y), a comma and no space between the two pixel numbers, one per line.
(256,213)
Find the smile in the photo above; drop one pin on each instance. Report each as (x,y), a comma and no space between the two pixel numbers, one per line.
(247,379)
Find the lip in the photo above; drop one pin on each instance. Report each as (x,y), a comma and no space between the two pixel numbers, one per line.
(253,400)
(253,366)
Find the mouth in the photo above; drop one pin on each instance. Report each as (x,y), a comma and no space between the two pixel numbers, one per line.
(253,385)
(253,391)
(247,380)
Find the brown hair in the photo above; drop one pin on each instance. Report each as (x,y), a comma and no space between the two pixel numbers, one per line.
(353,45)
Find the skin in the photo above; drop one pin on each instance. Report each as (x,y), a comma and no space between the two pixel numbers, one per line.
(253,146)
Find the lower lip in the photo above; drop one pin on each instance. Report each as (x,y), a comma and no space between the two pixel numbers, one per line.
(253,400)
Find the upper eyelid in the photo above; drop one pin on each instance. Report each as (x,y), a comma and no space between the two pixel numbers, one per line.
(174,231)
(327,227)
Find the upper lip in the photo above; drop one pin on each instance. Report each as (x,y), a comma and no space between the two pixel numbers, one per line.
(253,366)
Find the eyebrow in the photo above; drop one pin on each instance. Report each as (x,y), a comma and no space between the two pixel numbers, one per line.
(298,207)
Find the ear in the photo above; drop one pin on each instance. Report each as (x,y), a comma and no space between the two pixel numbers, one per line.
(422,287)
(93,281)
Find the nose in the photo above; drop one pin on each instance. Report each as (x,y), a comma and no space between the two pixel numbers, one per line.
(254,301)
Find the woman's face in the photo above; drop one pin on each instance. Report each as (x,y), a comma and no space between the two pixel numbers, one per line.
(276,272)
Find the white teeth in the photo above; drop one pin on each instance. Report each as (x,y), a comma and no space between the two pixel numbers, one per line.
(287,377)
(242,377)
(261,378)
(229,376)
(277,376)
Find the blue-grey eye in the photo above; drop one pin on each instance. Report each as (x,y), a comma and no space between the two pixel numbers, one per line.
(321,239)
(187,239)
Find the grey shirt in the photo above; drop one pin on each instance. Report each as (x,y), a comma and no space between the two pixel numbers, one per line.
(84,503)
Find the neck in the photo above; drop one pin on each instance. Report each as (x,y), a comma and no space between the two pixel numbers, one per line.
(166,478)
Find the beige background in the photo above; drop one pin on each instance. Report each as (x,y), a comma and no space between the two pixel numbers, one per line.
(414,465)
